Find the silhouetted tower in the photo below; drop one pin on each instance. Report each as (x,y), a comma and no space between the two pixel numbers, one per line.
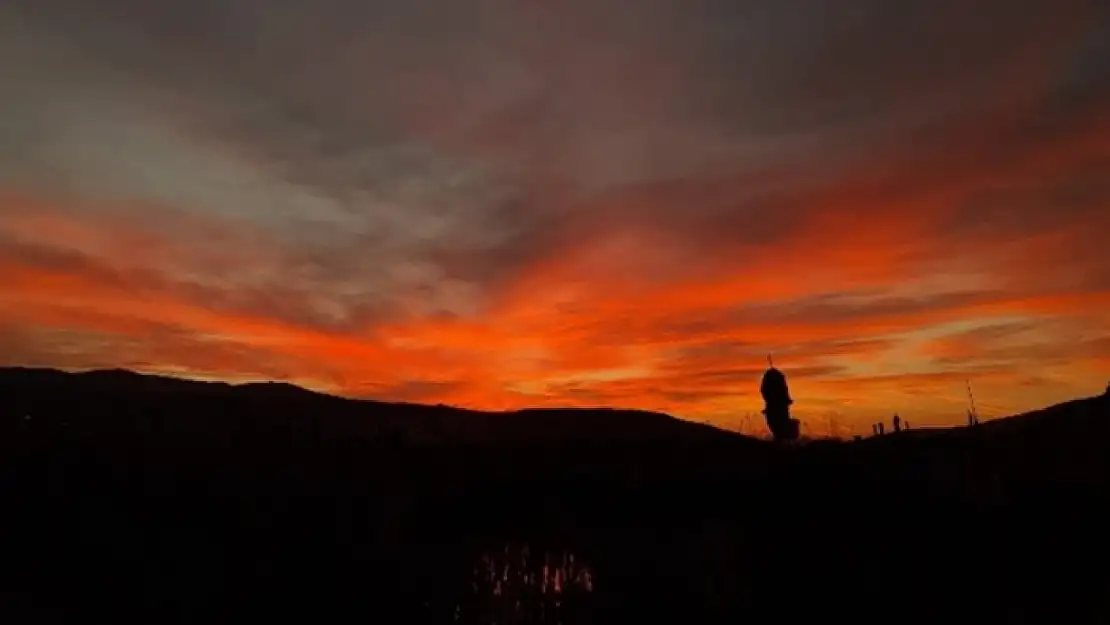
(776,404)
(972,413)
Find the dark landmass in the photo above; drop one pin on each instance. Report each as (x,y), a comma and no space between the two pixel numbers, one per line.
(130,498)
(108,400)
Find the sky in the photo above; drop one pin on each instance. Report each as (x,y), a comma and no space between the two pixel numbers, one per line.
(508,203)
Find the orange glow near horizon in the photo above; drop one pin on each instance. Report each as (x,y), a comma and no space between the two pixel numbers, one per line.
(565,335)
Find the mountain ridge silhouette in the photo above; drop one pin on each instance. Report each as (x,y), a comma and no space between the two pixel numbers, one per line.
(79,391)
(418,421)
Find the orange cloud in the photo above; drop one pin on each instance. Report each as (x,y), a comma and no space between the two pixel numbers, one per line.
(561,336)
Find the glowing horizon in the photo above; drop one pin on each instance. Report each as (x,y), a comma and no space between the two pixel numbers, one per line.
(460,203)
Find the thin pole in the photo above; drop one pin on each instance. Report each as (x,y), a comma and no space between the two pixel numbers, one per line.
(971,400)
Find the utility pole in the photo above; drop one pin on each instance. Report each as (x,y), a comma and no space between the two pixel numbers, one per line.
(971,401)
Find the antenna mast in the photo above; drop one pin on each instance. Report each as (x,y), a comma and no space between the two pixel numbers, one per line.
(971,401)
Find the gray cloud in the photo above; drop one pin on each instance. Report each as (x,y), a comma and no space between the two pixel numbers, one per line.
(410,158)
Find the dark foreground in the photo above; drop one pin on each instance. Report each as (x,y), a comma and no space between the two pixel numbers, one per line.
(147,518)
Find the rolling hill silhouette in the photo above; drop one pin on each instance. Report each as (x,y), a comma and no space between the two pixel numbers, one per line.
(51,394)
(54,395)
(146,499)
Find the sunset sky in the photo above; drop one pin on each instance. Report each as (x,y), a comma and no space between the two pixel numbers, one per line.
(509,203)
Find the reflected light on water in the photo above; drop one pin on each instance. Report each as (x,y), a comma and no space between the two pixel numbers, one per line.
(517,585)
